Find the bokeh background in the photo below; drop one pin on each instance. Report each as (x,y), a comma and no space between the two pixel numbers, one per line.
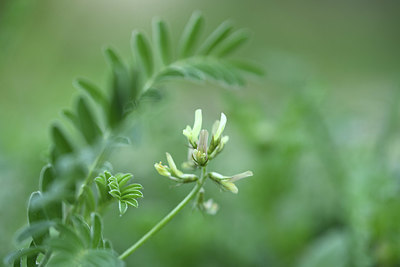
(319,130)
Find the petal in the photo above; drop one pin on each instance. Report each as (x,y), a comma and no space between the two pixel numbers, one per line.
(241,176)
(221,127)
(197,124)
(172,165)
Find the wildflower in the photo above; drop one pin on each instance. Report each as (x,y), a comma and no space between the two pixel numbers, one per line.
(193,134)
(162,169)
(217,140)
(227,182)
(200,154)
(220,128)
(172,172)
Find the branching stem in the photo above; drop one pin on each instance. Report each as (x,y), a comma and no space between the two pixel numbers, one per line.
(168,217)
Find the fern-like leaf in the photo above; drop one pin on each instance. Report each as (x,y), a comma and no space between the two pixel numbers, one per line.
(125,194)
(191,34)
(162,41)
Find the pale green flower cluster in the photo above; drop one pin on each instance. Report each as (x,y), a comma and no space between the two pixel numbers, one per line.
(201,151)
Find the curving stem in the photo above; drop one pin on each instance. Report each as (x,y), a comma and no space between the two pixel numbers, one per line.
(168,217)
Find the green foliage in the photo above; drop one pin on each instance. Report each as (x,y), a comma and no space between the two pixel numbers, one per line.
(66,203)
(81,245)
(117,186)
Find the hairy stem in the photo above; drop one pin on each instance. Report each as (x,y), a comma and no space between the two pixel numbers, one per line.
(168,217)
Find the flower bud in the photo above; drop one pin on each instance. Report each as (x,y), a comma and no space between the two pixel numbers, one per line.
(162,169)
(172,166)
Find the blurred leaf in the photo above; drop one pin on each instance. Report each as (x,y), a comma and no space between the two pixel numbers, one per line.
(82,229)
(247,67)
(17,255)
(330,250)
(92,90)
(70,250)
(71,116)
(47,177)
(34,229)
(112,58)
(90,201)
(142,53)
(62,144)
(31,259)
(88,125)
(162,40)
(36,213)
(216,37)
(191,34)
(96,229)
(232,43)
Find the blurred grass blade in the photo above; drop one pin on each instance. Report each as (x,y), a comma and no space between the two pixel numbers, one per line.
(162,40)
(216,37)
(142,53)
(191,34)
(232,43)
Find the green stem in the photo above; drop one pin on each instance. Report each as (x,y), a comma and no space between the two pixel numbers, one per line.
(168,217)
(89,178)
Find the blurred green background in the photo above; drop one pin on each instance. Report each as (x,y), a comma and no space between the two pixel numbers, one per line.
(320,130)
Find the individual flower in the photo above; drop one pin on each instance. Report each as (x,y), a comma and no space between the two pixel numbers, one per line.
(220,127)
(199,155)
(209,206)
(172,172)
(227,182)
(162,169)
(193,134)
(217,140)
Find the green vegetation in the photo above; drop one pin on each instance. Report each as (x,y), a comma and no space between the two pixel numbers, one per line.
(319,133)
